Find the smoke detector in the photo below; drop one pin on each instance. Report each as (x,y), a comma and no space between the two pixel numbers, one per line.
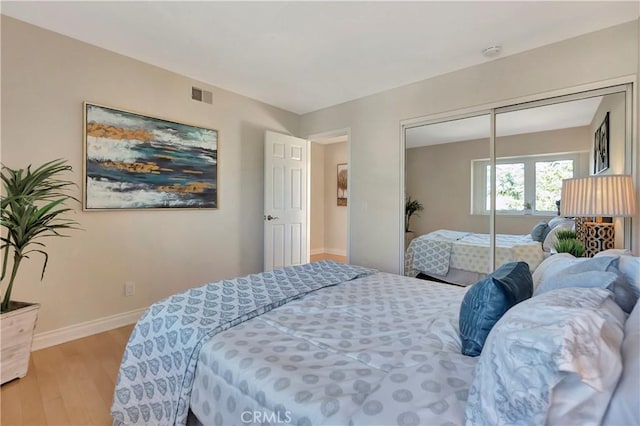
(492,51)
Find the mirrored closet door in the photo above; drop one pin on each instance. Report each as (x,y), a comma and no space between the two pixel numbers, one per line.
(473,222)
(437,178)
(539,145)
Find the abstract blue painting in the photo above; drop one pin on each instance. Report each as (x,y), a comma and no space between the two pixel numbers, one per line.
(134,161)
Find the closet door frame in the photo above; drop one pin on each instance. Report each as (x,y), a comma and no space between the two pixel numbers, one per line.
(623,84)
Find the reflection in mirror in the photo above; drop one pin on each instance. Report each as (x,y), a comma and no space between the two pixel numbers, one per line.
(536,148)
(446,240)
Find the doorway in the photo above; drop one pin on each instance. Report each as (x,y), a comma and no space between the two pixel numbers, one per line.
(329,196)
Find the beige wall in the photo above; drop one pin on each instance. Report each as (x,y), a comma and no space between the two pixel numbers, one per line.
(328,220)
(335,216)
(376,192)
(636,148)
(317,198)
(45,79)
(440,177)
(615,105)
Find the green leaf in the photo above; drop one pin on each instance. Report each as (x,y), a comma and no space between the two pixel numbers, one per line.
(33,207)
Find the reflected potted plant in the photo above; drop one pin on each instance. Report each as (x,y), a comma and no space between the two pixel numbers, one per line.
(568,243)
(411,207)
(32,207)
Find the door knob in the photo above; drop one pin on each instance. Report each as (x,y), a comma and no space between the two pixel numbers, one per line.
(269,217)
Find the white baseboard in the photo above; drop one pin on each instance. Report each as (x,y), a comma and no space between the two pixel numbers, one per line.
(77,331)
(337,252)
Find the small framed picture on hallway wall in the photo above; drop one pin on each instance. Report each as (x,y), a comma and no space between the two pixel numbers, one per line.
(343,188)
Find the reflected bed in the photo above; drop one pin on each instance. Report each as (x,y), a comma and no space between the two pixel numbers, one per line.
(463,257)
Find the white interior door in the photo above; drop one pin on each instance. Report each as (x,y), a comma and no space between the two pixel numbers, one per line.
(286,165)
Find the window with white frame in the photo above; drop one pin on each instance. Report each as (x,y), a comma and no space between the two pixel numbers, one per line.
(524,185)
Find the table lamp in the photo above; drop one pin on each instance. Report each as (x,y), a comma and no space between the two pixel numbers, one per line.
(598,196)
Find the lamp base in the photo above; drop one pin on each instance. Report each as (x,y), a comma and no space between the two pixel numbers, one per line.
(581,232)
(598,237)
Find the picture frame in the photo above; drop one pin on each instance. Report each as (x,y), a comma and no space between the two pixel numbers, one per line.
(601,147)
(342,184)
(136,161)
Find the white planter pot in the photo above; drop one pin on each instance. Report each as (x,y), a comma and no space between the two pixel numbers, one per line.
(16,329)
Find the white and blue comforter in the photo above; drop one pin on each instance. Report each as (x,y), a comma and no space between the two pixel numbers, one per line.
(156,376)
(379,350)
(437,252)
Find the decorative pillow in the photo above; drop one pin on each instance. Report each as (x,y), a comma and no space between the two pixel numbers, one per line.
(614,252)
(551,239)
(559,220)
(623,408)
(551,266)
(488,299)
(628,265)
(553,359)
(601,271)
(555,220)
(625,294)
(601,263)
(539,232)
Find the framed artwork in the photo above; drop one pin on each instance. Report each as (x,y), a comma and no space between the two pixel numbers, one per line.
(601,147)
(343,188)
(135,161)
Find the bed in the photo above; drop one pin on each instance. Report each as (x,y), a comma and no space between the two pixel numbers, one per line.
(354,346)
(463,257)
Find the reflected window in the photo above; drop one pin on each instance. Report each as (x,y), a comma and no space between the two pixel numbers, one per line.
(549,176)
(509,187)
(524,185)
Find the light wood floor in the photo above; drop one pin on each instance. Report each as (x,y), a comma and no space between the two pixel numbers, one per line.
(68,384)
(72,384)
(323,256)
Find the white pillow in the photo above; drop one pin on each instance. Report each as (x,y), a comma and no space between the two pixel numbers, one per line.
(628,265)
(551,239)
(552,359)
(551,266)
(624,408)
(559,220)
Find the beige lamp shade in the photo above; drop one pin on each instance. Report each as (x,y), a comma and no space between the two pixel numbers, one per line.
(600,195)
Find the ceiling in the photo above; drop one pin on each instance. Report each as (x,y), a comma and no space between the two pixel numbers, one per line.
(549,117)
(304,56)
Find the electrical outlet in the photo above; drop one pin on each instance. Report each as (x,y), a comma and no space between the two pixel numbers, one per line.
(129,288)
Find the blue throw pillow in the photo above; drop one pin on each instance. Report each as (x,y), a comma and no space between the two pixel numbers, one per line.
(540,231)
(488,299)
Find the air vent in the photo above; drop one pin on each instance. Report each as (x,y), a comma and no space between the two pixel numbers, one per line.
(200,95)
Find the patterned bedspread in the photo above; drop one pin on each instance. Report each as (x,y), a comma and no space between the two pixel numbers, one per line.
(431,253)
(156,376)
(470,252)
(379,350)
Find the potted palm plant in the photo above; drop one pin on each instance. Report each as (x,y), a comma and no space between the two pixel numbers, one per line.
(411,207)
(32,207)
